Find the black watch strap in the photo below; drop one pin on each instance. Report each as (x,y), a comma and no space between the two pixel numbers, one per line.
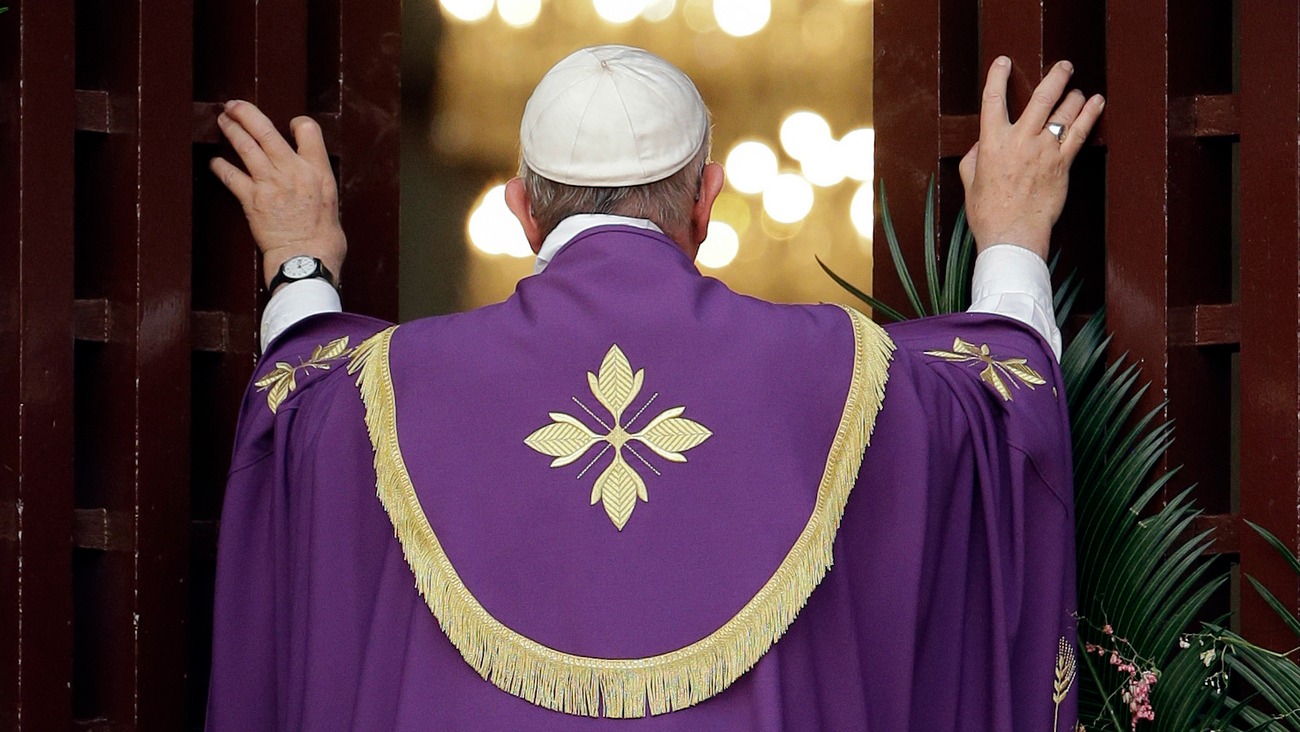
(321,272)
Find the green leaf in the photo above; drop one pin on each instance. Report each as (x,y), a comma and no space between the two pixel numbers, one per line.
(1278,607)
(896,253)
(931,251)
(875,304)
(952,275)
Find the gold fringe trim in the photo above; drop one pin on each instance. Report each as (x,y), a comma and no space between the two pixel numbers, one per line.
(618,687)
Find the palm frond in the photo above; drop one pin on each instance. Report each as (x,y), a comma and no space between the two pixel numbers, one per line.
(896,254)
(877,306)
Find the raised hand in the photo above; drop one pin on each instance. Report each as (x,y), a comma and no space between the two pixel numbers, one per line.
(289,197)
(1017,175)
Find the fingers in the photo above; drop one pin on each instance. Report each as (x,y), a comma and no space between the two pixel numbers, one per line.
(251,153)
(1045,97)
(310,143)
(234,179)
(1069,109)
(1077,132)
(993,108)
(260,128)
(966,168)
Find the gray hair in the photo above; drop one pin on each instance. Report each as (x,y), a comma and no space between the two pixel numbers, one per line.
(667,202)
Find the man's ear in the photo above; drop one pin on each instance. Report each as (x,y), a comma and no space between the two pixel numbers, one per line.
(519,204)
(710,186)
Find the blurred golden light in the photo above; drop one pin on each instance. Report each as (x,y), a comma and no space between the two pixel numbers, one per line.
(788,198)
(699,16)
(720,246)
(493,229)
(862,210)
(742,17)
(732,210)
(657,10)
(802,132)
(469,11)
(618,11)
(824,165)
(858,150)
(519,13)
(750,166)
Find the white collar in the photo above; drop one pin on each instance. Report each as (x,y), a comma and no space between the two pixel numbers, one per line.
(565,231)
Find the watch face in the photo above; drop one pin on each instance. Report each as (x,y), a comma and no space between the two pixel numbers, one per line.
(296,268)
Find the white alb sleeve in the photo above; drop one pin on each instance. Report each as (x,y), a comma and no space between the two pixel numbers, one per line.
(295,301)
(1014,282)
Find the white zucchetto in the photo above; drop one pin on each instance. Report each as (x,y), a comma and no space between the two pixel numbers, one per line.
(612,116)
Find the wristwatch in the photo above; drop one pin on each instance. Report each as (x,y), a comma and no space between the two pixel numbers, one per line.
(299,268)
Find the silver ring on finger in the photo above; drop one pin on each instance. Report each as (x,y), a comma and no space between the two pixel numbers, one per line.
(1057,129)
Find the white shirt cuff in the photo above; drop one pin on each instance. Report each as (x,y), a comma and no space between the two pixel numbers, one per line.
(1014,282)
(295,301)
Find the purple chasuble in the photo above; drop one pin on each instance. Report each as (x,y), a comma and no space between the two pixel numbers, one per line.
(627,491)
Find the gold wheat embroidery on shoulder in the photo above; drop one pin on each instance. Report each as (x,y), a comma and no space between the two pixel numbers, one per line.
(282,379)
(615,386)
(1065,670)
(1016,370)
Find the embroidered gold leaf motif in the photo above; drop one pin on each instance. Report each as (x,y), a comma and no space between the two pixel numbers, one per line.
(565,439)
(619,486)
(1016,370)
(282,379)
(669,435)
(1065,671)
(616,386)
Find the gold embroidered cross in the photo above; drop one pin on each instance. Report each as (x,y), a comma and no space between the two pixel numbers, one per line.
(1016,369)
(566,438)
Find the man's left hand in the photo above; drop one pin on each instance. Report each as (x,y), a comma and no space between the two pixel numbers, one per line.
(289,197)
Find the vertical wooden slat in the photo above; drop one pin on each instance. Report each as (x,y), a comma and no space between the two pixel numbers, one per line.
(370,134)
(1270,310)
(162,362)
(1014,28)
(1137,187)
(36,438)
(906,118)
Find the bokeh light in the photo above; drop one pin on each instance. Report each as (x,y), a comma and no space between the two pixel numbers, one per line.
(824,164)
(720,246)
(657,10)
(699,16)
(750,166)
(803,132)
(732,210)
(858,150)
(862,210)
(519,13)
(788,198)
(493,229)
(742,17)
(618,11)
(469,11)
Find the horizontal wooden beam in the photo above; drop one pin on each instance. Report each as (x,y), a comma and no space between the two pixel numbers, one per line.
(102,530)
(957,132)
(1205,115)
(96,320)
(204,129)
(1226,528)
(99,111)
(1205,325)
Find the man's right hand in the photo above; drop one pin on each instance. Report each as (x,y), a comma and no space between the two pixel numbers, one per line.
(1017,175)
(289,197)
